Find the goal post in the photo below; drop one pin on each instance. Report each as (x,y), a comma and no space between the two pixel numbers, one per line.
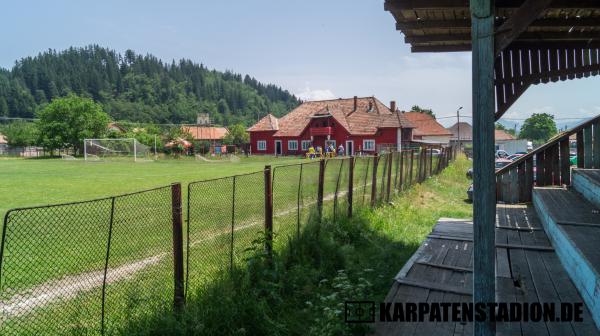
(115,149)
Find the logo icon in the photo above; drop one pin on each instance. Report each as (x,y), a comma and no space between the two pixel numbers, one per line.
(359,311)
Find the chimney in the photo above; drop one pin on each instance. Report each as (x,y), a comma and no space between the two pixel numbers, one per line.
(355,103)
(393,106)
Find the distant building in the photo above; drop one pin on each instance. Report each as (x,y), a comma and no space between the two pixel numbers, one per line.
(427,130)
(206,133)
(3,143)
(466,132)
(358,124)
(114,127)
(203,119)
(502,136)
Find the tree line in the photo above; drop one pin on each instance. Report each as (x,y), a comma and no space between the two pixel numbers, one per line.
(139,88)
(66,122)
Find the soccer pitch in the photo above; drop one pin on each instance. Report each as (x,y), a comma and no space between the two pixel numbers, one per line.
(31,182)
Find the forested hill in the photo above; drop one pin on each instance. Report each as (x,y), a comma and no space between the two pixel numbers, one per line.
(138,88)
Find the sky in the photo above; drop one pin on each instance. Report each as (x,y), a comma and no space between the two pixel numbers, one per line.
(316,49)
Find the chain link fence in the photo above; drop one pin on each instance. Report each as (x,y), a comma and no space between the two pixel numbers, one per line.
(76,267)
(225,217)
(88,267)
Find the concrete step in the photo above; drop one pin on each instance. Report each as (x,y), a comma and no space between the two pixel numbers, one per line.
(587,183)
(573,225)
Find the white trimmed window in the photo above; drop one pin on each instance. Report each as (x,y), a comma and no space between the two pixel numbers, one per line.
(305,145)
(293,145)
(368,145)
(261,145)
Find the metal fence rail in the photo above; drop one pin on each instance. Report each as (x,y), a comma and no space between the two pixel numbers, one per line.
(88,267)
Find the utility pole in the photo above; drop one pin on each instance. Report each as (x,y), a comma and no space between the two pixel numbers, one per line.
(458,125)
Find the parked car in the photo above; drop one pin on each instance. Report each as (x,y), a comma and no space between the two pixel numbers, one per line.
(436,152)
(500,154)
(515,156)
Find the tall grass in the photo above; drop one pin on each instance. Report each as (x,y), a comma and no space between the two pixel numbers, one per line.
(302,289)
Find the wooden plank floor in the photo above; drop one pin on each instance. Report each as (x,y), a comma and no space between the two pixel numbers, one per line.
(527,270)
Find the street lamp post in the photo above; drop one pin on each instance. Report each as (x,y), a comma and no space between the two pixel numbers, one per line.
(458,125)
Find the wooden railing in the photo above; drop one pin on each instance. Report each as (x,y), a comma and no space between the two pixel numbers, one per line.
(549,164)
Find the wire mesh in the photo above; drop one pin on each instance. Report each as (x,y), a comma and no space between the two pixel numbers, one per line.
(287,203)
(55,258)
(225,217)
(139,277)
(331,179)
(363,176)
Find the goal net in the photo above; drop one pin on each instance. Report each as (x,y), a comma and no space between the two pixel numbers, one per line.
(116,149)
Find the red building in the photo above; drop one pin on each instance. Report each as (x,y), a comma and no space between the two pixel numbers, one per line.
(359,124)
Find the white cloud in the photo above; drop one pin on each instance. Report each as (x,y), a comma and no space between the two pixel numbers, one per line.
(307,94)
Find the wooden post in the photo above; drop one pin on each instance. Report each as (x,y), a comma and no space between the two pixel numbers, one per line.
(580,150)
(587,147)
(410,171)
(401,165)
(320,189)
(539,169)
(548,166)
(374,181)
(350,185)
(423,164)
(556,164)
(179,285)
(484,200)
(565,162)
(529,179)
(596,144)
(268,212)
(389,176)
(521,182)
(430,161)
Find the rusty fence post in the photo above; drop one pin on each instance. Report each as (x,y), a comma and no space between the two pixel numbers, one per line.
(268,212)
(411,168)
(350,185)
(401,165)
(374,181)
(320,189)
(179,297)
(389,175)
(430,162)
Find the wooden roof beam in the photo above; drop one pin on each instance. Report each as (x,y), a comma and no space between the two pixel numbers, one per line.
(590,37)
(466,23)
(399,5)
(518,22)
(438,48)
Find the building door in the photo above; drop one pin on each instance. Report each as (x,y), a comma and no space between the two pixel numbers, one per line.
(278,149)
(349,147)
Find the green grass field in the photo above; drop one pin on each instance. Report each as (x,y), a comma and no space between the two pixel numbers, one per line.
(54,244)
(31,182)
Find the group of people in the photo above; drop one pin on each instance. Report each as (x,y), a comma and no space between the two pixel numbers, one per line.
(329,151)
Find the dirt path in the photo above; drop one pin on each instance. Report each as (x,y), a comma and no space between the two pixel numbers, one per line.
(70,286)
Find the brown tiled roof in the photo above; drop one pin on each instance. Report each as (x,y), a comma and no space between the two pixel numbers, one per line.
(502,135)
(369,115)
(206,133)
(425,124)
(267,123)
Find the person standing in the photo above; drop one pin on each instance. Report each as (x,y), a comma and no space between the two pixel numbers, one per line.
(341,150)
